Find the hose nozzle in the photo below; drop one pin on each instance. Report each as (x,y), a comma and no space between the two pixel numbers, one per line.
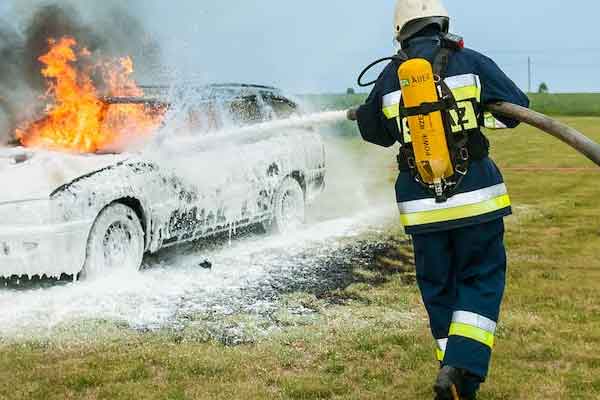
(351,114)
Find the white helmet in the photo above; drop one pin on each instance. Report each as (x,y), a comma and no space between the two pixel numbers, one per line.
(413,15)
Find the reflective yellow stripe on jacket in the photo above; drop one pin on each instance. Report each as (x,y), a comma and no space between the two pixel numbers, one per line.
(466,90)
(391,110)
(464,205)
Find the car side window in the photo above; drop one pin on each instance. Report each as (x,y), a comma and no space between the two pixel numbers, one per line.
(245,110)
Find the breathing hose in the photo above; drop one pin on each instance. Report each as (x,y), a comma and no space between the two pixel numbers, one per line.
(400,57)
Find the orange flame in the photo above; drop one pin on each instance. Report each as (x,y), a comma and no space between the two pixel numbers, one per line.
(77,119)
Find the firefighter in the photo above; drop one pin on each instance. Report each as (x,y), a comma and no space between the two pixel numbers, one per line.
(458,240)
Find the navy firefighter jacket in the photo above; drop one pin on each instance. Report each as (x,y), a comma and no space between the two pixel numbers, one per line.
(482,195)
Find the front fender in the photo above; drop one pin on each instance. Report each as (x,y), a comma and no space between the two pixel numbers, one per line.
(135,184)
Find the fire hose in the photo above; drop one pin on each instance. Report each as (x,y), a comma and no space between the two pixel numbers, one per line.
(565,133)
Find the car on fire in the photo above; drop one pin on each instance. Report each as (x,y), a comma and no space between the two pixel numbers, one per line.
(86,214)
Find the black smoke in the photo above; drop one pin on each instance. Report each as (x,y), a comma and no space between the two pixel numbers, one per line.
(52,21)
(111,31)
(10,74)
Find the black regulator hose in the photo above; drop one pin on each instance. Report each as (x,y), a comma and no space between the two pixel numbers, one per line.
(400,57)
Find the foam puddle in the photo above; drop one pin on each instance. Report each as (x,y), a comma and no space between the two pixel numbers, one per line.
(175,287)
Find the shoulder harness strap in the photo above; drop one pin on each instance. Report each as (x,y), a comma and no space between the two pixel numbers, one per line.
(449,44)
(441,61)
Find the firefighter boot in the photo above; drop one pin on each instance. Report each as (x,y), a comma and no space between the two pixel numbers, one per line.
(450,384)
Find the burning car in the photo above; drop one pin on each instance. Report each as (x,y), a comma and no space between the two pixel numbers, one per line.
(73,203)
(72,213)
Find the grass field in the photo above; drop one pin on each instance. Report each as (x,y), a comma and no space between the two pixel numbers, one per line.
(578,104)
(374,343)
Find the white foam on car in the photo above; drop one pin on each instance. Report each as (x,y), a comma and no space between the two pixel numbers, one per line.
(234,162)
(43,171)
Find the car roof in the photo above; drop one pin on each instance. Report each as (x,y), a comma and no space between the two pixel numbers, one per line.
(221,91)
(165,94)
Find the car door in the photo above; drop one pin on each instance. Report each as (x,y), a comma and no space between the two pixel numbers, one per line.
(247,199)
(196,174)
(216,171)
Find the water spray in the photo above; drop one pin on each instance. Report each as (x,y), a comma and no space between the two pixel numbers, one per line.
(307,121)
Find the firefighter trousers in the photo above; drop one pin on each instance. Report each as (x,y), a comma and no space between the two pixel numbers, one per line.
(461,274)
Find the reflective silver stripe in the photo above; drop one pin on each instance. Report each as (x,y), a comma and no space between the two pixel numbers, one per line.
(453,82)
(476,320)
(458,200)
(442,344)
(391,99)
(459,81)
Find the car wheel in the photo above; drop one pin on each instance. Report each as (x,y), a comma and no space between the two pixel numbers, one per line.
(288,208)
(116,242)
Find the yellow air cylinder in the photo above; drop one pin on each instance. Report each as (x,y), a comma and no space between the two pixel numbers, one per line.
(427,132)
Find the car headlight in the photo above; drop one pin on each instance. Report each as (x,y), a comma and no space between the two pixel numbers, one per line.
(29,212)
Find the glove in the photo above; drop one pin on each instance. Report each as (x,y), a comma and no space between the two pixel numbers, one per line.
(351,114)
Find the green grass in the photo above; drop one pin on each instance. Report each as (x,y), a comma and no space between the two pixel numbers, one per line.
(376,344)
(577,104)
(565,104)
(334,101)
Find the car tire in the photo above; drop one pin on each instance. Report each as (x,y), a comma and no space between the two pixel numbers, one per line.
(289,208)
(115,243)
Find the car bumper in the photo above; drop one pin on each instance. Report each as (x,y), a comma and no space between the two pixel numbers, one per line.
(50,250)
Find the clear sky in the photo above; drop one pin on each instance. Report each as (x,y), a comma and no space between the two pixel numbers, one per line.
(321,45)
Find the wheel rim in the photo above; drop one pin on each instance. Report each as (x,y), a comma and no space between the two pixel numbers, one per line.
(117,244)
